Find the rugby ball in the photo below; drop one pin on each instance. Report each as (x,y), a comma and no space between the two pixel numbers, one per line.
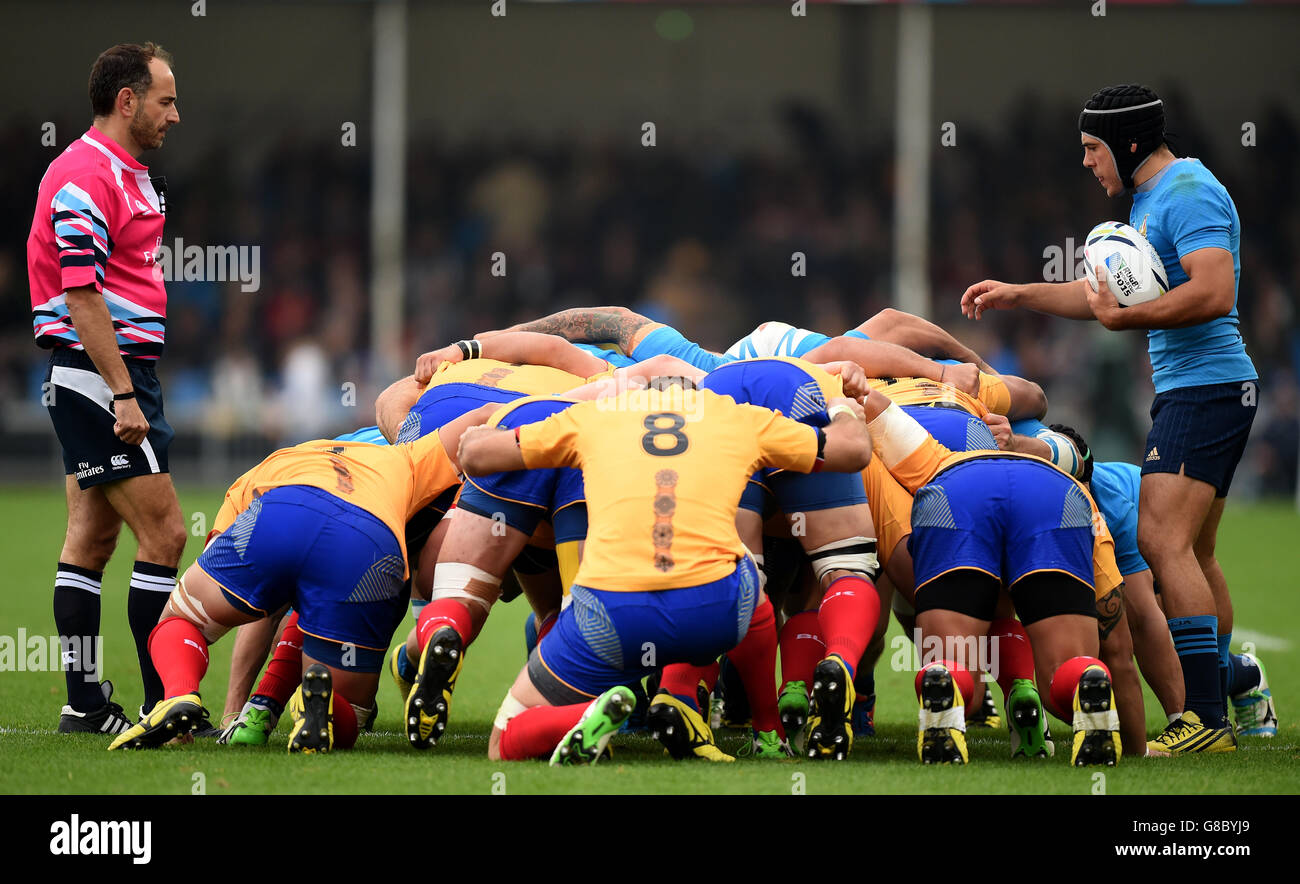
(1134,271)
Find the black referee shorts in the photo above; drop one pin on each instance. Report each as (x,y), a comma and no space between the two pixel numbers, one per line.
(81,407)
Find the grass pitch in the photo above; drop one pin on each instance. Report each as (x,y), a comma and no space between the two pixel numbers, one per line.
(1257,546)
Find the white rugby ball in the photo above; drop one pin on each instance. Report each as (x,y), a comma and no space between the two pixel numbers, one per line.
(1134,270)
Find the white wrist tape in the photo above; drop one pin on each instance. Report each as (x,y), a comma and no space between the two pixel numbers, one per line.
(841,409)
(895,434)
(510,707)
(455,580)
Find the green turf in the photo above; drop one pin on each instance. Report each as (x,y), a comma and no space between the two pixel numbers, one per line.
(1256,547)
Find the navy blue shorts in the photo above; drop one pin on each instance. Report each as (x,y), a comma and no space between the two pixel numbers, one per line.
(81,407)
(1201,431)
(338,565)
(607,638)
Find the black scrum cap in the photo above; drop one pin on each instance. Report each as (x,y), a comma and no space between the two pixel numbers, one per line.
(1121,116)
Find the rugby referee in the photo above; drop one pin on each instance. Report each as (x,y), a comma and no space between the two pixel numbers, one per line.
(99,305)
(1206,385)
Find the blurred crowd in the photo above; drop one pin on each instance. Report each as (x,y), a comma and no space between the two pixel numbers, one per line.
(688,233)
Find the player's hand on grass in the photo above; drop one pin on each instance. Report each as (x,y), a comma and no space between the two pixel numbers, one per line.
(131,426)
(989,295)
(965,377)
(428,363)
(1001,428)
(1104,304)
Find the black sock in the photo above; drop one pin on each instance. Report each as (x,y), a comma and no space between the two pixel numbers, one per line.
(76,616)
(151,586)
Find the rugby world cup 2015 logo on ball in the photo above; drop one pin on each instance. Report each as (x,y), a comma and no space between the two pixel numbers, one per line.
(1134,270)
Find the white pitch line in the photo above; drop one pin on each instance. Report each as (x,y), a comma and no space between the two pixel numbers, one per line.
(1261,640)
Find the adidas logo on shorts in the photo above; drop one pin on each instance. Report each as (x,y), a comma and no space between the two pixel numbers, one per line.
(1153,454)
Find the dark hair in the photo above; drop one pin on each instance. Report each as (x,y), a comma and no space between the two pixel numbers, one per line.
(1085,453)
(123,65)
(665,382)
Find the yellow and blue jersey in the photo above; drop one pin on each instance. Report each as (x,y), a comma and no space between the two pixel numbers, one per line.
(663,472)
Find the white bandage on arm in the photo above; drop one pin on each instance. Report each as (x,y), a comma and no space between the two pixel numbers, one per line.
(856,554)
(895,434)
(510,707)
(456,580)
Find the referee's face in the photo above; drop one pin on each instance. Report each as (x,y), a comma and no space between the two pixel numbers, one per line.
(157,112)
(1098,161)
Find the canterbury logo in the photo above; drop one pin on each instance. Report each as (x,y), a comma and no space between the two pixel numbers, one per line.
(1153,454)
(119,461)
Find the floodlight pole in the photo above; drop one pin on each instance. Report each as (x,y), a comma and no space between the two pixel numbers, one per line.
(914,136)
(387,191)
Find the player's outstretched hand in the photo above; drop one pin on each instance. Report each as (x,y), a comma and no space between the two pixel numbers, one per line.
(1103,303)
(1001,428)
(428,363)
(965,377)
(131,426)
(988,295)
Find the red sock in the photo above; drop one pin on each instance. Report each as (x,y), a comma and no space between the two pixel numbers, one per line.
(445,612)
(545,626)
(180,654)
(1014,654)
(755,660)
(710,675)
(682,679)
(801,647)
(961,676)
(848,616)
(1060,699)
(284,672)
(345,722)
(535,731)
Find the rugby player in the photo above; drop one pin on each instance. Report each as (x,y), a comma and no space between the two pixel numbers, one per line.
(99,306)
(663,567)
(319,526)
(995,520)
(1206,385)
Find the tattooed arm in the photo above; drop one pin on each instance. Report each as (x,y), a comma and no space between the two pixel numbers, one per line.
(1117,654)
(592,325)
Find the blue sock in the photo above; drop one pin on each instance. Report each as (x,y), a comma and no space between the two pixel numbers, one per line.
(1245,675)
(405,668)
(530,632)
(864,684)
(1195,640)
(693,702)
(1225,669)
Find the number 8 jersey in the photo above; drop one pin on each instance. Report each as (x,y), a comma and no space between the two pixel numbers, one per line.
(663,472)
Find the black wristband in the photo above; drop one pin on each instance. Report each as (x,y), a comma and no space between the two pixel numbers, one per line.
(122,397)
(464,349)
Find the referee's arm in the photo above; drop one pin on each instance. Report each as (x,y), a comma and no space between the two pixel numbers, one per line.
(90,317)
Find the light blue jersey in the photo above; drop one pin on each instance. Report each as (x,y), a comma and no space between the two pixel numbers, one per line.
(1180,210)
(365,434)
(1115,487)
(608,353)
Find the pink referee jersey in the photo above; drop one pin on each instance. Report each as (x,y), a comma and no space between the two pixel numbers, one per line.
(98,222)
